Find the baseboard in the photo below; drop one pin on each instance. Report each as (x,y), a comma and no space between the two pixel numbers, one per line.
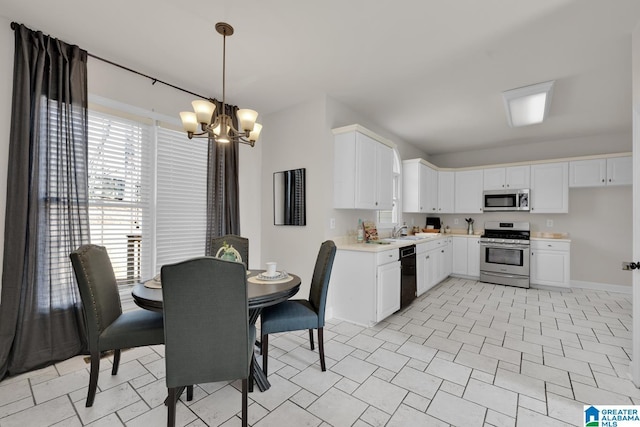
(602,287)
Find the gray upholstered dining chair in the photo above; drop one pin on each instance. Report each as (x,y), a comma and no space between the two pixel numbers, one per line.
(108,328)
(208,337)
(295,315)
(240,244)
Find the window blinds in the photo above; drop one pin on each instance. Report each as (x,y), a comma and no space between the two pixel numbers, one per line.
(119,196)
(147,194)
(181,206)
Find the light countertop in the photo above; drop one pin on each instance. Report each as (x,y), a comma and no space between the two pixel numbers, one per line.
(344,243)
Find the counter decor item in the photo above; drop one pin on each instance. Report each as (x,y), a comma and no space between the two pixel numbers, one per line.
(228,252)
(370,231)
(470,222)
(360,232)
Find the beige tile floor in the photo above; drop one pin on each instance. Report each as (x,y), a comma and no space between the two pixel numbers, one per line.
(464,354)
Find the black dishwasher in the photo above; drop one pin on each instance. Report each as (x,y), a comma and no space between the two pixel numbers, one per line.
(408,287)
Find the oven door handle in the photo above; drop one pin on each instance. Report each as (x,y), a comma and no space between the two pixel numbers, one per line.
(510,276)
(499,246)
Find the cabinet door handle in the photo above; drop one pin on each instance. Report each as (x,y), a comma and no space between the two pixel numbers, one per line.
(602,179)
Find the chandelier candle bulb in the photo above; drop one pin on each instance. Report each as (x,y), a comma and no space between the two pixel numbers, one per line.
(247,119)
(189,121)
(204,110)
(255,133)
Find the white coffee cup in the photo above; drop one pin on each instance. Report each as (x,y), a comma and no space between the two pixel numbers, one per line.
(271,269)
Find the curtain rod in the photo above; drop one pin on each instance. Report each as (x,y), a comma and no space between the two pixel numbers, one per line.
(154,80)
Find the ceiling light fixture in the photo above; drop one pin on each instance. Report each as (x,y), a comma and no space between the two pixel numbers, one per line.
(528,105)
(222,129)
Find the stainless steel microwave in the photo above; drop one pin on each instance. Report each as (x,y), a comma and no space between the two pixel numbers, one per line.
(506,200)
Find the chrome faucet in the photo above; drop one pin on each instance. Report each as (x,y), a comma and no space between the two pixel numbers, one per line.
(397,231)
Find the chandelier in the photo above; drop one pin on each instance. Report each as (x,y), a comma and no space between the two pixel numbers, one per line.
(222,129)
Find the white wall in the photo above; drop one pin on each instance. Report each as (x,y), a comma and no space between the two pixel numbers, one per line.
(570,147)
(301,137)
(599,226)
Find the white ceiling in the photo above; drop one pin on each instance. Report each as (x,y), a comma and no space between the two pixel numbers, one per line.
(429,71)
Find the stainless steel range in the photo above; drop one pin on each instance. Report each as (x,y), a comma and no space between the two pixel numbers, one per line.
(504,253)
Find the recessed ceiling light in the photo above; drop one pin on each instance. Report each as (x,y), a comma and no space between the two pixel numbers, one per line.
(528,105)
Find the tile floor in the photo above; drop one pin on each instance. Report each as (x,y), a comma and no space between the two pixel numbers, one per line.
(464,354)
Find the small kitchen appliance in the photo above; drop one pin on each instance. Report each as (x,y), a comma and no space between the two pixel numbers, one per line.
(505,200)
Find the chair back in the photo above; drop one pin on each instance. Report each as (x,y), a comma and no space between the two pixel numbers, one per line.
(206,321)
(240,244)
(98,289)
(320,279)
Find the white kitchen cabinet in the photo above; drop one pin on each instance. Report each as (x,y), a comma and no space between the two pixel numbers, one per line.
(388,299)
(620,170)
(365,286)
(433,263)
(550,263)
(601,172)
(363,170)
(550,188)
(446,191)
(588,173)
(473,256)
(419,187)
(466,256)
(468,191)
(515,177)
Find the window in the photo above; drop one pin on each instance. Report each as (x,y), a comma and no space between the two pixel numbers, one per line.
(119,194)
(389,219)
(181,206)
(147,193)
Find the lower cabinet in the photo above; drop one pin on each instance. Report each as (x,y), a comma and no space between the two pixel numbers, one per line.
(550,263)
(466,256)
(433,263)
(365,286)
(388,298)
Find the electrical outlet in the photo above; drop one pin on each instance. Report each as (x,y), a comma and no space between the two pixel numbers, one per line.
(332,223)
(549,223)
(456,221)
(413,221)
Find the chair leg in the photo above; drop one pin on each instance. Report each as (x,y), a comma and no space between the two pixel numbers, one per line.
(311,339)
(189,393)
(171,407)
(116,361)
(251,379)
(244,401)
(321,349)
(93,378)
(265,353)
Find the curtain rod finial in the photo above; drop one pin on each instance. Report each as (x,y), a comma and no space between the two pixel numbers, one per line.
(14,25)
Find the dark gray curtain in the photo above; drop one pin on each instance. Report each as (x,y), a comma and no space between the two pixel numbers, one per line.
(223,215)
(46,215)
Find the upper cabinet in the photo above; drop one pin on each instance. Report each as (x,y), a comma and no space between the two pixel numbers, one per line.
(419,187)
(515,177)
(446,191)
(601,172)
(550,188)
(468,191)
(363,169)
